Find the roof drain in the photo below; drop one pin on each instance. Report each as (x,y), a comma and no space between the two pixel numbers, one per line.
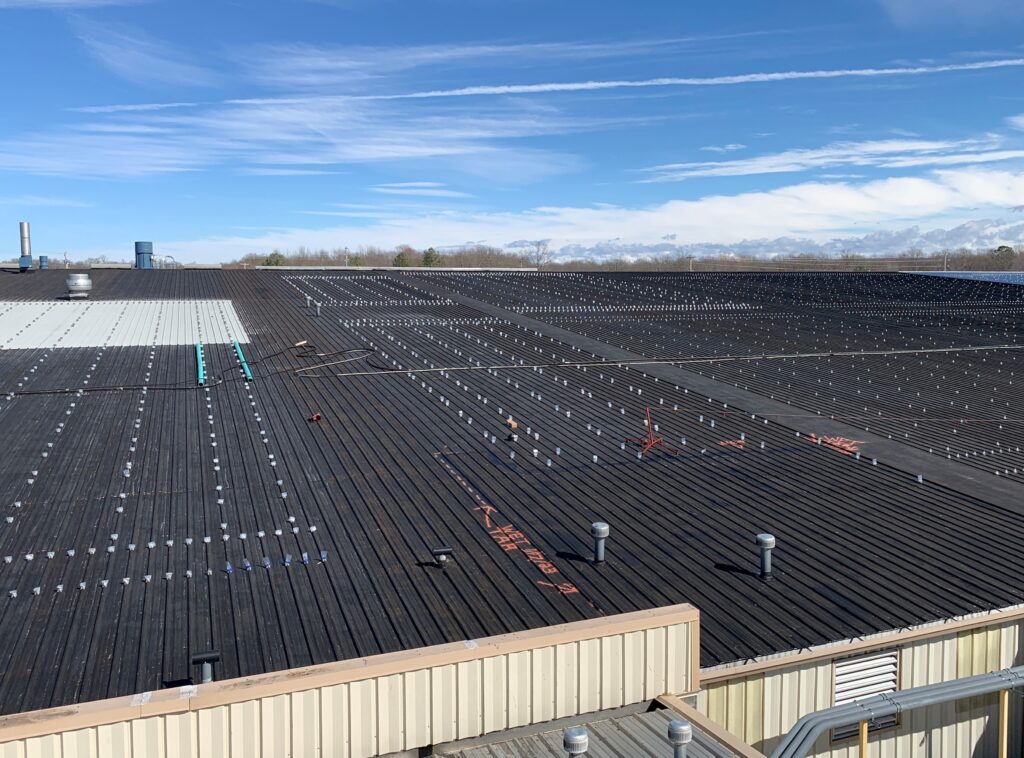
(599,531)
(766,542)
(575,740)
(680,734)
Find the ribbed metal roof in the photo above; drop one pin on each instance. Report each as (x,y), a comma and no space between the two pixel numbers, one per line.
(143,511)
(641,734)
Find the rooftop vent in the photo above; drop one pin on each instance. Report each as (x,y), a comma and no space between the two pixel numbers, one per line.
(79,286)
(680,734)
(575,740)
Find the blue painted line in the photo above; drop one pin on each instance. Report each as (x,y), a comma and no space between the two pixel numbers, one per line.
(200,368)
(241,358)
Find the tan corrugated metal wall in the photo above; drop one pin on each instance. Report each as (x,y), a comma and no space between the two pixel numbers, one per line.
(762,707)
(405,710)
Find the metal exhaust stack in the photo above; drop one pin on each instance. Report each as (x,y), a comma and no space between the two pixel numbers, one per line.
(206,660)
(765,542)
(599,531)
(680,734)
(575,740)
(143,255)
(25,261)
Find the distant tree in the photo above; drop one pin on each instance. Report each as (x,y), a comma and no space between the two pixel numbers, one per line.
(431,257)
(1003,258)
(354,259)
(276,258)
(539,253)
(401,259)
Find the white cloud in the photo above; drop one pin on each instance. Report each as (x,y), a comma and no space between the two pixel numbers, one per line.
(1017,122)
(418,189)
(817,211)
(300,66)
(894,153)
(304,134)
(42,201)
(723,148)
(135,56)
(130,108)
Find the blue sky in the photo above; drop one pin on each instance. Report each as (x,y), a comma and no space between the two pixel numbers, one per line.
(216,128)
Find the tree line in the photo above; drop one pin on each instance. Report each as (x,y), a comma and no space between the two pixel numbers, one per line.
(537,254)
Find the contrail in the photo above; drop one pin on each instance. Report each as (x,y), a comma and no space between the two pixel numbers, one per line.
(710,81)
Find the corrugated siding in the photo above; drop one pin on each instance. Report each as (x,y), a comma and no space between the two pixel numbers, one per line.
(967,728)
(406,710)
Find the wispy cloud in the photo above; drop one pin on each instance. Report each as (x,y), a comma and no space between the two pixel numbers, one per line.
(705,81)
(137,57)
(418,189)
(304,135)
(895,153)
(130,108)
(301,66)
(42,201)
(723,148)
(266,171)
(1017,122)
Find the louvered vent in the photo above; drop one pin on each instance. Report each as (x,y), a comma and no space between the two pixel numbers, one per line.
(861,677)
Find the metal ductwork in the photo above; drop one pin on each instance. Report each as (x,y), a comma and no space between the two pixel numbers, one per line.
(25,262)
(801,738)
(44,262)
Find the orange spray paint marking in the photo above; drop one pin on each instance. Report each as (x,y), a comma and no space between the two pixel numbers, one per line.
(842,444)
(511,539)
(741,444)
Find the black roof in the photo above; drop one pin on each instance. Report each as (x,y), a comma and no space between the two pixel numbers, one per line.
(411,453)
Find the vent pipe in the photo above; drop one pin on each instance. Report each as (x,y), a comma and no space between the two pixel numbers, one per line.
(599,531)
(143,255)
(206,660)
(680,734)
(25,261)
(44,262)
(765,542)
(575,740)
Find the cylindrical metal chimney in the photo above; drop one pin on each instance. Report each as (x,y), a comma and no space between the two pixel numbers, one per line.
(680,734)
(599,531)
(765,542)
(25,262)
(575,740)
(143,255)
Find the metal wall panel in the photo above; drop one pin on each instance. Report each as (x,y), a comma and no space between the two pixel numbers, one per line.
(396,710)
(761,708)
